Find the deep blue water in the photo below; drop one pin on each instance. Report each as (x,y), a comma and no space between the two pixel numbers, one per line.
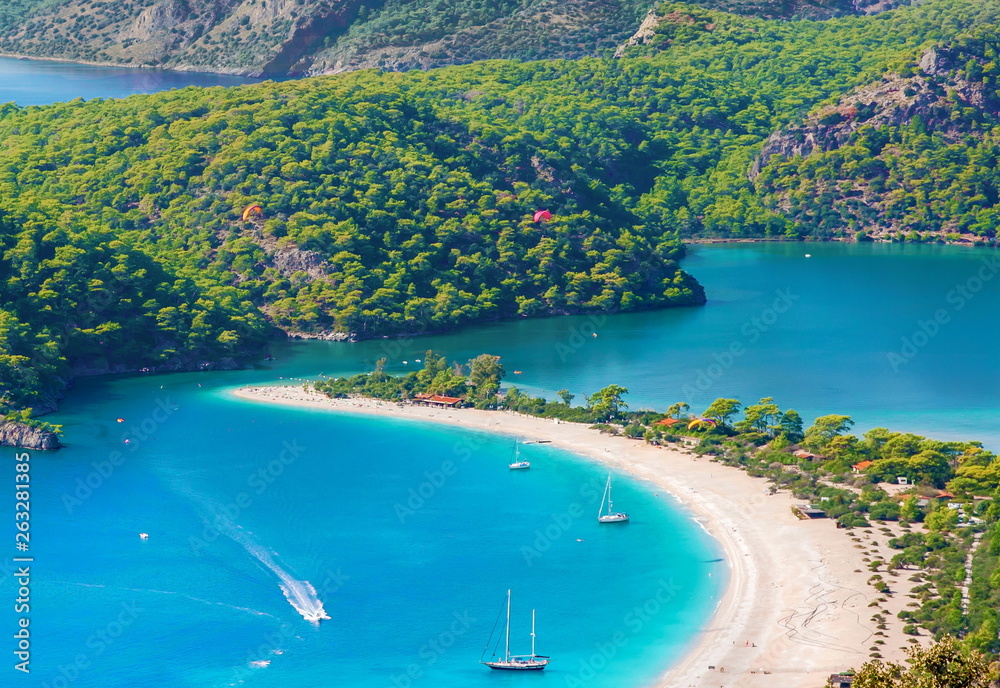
(851,338)
(409,534)
(40,82)
(335,511)
(206,595)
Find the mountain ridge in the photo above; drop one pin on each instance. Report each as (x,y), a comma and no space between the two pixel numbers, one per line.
(276,38)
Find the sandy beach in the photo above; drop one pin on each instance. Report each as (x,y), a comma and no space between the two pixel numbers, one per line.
(797,607)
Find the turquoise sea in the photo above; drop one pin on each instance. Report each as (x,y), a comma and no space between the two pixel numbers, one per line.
(408,535)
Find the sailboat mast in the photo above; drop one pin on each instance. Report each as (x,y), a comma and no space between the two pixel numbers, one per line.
(507,643)
(604,498)
(611,505)
(532,632)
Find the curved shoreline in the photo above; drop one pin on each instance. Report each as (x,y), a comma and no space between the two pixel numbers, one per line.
(796,603)
(121,65)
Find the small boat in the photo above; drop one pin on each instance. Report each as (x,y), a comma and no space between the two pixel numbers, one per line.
(612,516)
(511,662)
(518,464)
(517,372)
(143,536)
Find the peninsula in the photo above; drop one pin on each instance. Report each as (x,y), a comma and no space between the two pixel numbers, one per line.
(806,597)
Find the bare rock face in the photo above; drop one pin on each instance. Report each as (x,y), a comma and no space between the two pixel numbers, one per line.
(158,19)
(252,37)
(877,6)
(290,259)
(644,34)
(26,437)
(893,101)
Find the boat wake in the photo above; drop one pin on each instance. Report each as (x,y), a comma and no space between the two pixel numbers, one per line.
(299,593)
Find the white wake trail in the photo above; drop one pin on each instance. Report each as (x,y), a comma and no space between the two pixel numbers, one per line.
(300,594)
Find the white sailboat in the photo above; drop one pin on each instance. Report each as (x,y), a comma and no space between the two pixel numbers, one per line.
(612,516)
(509,662)
(518,464)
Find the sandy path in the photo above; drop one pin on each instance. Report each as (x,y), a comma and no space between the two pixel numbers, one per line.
(797,606)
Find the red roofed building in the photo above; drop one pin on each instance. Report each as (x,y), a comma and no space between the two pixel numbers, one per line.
(435,400)
(859,467)
(801,454)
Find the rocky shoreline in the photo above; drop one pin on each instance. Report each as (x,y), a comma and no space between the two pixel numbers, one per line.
(22,436)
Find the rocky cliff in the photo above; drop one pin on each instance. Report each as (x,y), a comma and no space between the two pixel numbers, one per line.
(911,156)
(282,37)
(932,90)
(26,437)
(250,37)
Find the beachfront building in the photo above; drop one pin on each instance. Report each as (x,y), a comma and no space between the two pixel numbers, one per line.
(840,680)
(807,511)
(436,400)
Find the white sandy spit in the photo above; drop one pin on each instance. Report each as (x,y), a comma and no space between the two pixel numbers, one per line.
(797,605)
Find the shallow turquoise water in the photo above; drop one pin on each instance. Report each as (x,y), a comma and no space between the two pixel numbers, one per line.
(409,534)
(836,348)
(848,330)
(419,591)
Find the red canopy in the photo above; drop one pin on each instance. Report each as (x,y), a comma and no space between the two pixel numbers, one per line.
(542,215)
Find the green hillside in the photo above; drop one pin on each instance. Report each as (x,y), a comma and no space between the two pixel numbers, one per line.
(404,202)
(321,36)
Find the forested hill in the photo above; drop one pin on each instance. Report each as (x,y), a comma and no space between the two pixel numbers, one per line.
(275,37)
(411,202)
(908,152)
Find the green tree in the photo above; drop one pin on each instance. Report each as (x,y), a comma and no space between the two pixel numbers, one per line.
(678,410)
(946,664)
(824,429)
(942,519)
(447,383)
(433,365)
(790,425)
(607,404)
(760,416)
(566,397)
(485,374)
(909,510)
(722,410)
